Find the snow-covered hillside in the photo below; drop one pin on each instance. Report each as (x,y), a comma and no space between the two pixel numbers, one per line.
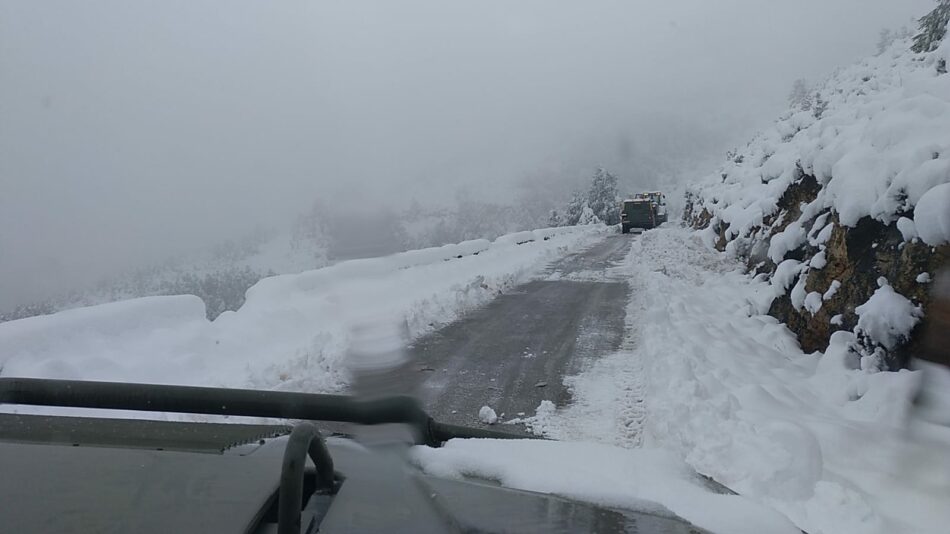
(294,331)
(847,197)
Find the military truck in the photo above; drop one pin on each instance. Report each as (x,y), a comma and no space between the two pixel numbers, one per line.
(643,211)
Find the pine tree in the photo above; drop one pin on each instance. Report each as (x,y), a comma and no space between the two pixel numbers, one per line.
(933,28)
(604,198)
(800,95)
(575,208)
(885,40)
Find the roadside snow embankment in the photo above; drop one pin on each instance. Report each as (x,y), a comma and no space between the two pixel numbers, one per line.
(826,439)
(294,331)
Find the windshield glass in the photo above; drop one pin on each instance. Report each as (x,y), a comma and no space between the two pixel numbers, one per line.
(701,246)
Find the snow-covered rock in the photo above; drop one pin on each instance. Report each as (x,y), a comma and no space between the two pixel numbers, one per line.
(854,186)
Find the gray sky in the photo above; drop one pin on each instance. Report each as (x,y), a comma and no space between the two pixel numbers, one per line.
(130,130)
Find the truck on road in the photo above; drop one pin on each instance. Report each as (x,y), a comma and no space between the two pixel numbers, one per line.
(643,211)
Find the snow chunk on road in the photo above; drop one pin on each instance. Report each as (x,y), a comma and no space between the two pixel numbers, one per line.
(633,479)
(887,317)
(487,415)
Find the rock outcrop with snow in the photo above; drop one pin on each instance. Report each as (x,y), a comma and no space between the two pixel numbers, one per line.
(847,188)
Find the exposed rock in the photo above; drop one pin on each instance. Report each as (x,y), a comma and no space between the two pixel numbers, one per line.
(854,257)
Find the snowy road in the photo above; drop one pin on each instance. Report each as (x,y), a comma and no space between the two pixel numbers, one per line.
(514,352)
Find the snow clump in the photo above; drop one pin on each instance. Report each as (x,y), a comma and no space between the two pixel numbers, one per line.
(487,415)
(887,317)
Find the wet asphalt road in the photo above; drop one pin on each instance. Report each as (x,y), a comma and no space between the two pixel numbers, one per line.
(514,352)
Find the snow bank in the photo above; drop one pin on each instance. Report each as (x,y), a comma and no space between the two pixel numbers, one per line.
(294,331)
(636,479)
(823,438)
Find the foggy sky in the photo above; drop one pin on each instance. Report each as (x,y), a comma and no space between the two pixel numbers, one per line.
(131,130)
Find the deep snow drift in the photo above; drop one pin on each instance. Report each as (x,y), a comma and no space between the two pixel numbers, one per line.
(710,380)
(294,331)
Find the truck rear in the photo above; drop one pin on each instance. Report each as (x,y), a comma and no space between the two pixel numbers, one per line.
(638,213)
(645,211)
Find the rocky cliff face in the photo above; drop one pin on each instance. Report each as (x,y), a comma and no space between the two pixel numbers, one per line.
(845,205)
(839,268)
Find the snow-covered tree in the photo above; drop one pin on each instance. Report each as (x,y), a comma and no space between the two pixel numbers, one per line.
(933,28)
(588,216)
(884,40)
(601,203)
(572,214)
(604,198)
(800,95)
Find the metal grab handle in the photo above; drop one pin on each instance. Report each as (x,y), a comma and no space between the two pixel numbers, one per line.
(247,402)
(304,440)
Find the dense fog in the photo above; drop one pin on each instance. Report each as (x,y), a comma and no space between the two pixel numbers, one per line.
(132,132)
